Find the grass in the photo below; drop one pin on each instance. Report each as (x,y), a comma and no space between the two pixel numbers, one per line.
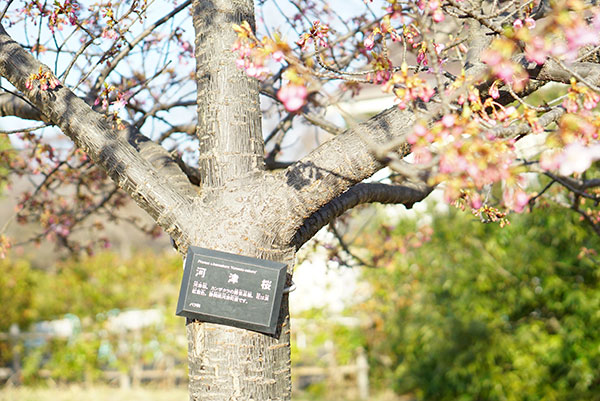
(95,393)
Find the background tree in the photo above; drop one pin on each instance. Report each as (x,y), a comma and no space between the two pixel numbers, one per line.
(117,81)
(499,314)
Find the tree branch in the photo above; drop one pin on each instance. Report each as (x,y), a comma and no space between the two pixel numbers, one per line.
(355,155)
(552,71)
(340,163)
(119,153)
(161,160)
(520,129)
(130,45)
(359,194)
(11,105)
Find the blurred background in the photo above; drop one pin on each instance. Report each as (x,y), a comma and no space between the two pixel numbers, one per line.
(427,304)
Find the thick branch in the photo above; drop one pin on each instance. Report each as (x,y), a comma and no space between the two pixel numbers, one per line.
(110,149)
(552,71)
(11,105)
(341,162)
(161,160)
(350,157)
(359,194)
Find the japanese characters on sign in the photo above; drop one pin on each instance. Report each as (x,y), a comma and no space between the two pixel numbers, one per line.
(231,289)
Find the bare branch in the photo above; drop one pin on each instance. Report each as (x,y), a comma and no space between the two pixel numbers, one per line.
(359,194)
(595,226)
(347,249)
(189,129)
(521,129)
(130,45)
(576,186)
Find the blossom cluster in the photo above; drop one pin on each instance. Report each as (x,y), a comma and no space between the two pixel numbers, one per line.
(499,58)
(574,146)
(254,56)
(385,28)
(468,157)
(318,35)
(565,32)
(44,79)
(580,98)
(67,11)
(119,102)
(407,88)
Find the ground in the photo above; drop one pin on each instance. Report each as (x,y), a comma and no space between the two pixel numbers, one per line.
(104,393)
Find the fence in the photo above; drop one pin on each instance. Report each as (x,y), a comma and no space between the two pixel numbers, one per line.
(166,371)
(170,370)
(336,376)
(352,377)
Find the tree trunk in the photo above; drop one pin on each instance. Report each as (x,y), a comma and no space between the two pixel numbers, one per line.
(227,363)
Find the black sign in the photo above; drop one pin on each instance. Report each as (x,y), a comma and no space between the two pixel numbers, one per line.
(231,289)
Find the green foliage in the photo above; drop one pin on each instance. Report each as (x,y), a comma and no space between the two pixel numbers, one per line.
(16,296)
(6,156)
(488,313)
(97,284)
(327,342)
(89,291)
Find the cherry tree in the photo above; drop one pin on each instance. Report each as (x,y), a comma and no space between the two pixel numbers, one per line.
(470,82)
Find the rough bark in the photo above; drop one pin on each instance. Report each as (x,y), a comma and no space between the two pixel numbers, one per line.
(229,118)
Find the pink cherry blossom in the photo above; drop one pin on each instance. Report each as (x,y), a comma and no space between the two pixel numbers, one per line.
(536,50)
(529,22)
(438,16)
(590,100)
(581,36)
(576,158)
(505,71)
(421,154)
(109,34)
(292,96)
(515,198)
(475,200)
(448,120)
(278,56)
